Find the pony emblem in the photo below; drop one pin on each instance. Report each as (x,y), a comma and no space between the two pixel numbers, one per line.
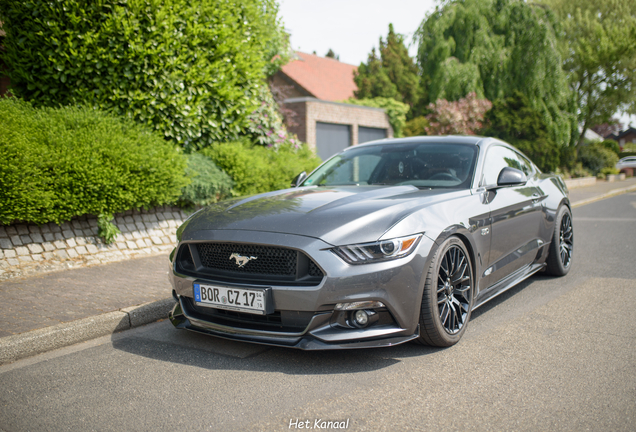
(241,260)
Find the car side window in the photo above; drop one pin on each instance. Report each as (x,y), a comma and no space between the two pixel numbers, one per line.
(499,157)
(356,170)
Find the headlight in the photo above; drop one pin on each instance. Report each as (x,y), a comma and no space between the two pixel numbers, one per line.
(382,250)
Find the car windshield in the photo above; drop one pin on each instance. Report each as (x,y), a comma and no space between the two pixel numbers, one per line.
(424,165)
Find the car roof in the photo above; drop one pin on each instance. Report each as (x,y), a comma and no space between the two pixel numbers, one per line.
(479,141)
(458,139)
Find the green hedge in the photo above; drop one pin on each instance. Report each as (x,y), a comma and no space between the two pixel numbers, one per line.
(257,169)
(191,69)
(208,183)
(59,163)
(622,155)
(595,157)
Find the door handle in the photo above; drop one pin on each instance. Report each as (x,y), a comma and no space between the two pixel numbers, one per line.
(535,197)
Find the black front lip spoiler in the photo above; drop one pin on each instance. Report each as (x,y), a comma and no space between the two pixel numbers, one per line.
(299,341)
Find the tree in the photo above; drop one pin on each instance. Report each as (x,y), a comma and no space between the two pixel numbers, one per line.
(612,126)
(393,75)
(332,55)
(492,48)
(599,46)
(373,81)
(192,70)
(463,117)
(514,120)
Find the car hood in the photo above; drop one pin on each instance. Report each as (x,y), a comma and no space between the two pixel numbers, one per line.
(336,215)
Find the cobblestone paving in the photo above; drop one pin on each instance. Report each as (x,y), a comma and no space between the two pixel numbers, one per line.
(52,298)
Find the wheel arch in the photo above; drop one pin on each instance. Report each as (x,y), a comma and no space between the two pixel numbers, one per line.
(464,236)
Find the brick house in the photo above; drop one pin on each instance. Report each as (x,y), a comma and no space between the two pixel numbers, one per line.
(316,85)
(625,137)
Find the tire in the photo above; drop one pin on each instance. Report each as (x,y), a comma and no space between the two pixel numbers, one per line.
(448,295)
(560,253)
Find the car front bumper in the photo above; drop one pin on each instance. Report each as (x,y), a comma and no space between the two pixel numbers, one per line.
(397,284)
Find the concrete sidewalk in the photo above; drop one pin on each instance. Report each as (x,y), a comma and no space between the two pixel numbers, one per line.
(602,189)
(54,310)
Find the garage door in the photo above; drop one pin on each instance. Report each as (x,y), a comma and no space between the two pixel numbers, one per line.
(369,134)
(331,138)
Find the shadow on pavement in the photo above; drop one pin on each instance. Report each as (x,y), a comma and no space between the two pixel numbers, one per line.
(209,352)
(162,342)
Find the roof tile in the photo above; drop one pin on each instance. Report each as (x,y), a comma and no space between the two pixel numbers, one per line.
(324,78)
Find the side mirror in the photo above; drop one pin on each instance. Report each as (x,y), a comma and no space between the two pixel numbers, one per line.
(299,179)
(511,177)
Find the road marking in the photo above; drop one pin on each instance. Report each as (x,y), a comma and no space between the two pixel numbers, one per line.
(591,219)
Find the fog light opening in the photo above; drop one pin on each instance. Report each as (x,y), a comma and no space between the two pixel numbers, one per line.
(362,318)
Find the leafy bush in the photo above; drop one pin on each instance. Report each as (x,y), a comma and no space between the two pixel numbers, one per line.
(416,126)
(266,125)
(394,109)
(65,162)
(611,145)
(208,184)
(189,69)
(595,157)
(609,171)
(462,117)
(624,154)
(106,228)
(257,169)
(514,120)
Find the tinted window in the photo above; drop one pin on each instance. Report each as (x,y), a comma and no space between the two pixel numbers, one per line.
(499,157)
(423,165)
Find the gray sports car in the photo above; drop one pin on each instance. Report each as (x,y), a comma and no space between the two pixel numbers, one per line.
(391,241)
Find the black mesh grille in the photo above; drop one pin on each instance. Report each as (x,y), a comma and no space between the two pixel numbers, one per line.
(264,260)
(314,270)
(286,321)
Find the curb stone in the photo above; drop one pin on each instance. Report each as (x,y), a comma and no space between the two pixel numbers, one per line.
(16,347)
(609,194)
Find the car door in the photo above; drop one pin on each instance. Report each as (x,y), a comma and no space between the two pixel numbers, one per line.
(515,216)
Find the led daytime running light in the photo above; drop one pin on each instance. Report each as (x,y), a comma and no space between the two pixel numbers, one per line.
(378,251)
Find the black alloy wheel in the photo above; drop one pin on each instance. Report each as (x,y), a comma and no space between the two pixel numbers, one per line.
(566,237)
(448,295)
(560,255)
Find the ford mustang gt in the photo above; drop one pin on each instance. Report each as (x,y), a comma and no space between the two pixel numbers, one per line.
(387,242)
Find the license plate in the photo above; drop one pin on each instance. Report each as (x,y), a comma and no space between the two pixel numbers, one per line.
(236,299)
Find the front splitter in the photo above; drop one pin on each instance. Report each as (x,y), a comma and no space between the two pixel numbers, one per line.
(304,342)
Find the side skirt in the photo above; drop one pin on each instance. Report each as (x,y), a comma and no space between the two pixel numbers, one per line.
(507,283)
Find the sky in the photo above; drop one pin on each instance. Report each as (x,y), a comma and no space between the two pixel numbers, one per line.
(351,28)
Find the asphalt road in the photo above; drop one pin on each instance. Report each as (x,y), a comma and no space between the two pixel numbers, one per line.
(551,354)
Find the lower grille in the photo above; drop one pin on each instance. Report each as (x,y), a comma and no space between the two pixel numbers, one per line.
(286,321)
